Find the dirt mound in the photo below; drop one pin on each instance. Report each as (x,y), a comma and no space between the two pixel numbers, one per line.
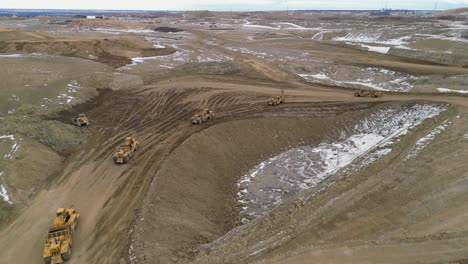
(114,52)
(168,29)
(5,29)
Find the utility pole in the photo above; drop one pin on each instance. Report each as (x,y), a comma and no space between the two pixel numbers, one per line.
(435,5)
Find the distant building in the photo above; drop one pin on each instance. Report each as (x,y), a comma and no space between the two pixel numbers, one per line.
(89,17)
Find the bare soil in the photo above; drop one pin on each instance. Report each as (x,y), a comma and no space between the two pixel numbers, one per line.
(116,52)
(175,201)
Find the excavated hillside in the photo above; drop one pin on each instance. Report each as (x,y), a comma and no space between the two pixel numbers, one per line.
(114,51)
(326,177)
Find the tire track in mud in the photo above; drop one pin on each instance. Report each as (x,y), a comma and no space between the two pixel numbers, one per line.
(161,121)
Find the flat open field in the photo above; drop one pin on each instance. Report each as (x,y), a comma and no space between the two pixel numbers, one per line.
(327,177)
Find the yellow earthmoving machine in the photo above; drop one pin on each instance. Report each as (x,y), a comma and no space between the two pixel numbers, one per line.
(202,116)
(367,92)
(465,65)
(125,151)
(81,120)
(276,100)
(59,239)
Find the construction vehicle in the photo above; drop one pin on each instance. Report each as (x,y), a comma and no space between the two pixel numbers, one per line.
(59,239)
(276,100)
(367,92)
(202,116)
(465,65)
(125,151)
(81,120)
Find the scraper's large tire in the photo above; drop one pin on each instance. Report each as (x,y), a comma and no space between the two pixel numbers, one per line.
(67,255)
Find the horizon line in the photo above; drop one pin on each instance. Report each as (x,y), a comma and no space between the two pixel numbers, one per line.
(258,10)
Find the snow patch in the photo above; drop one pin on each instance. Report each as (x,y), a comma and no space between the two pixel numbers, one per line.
(65,96)
(16,143)
(293,26)
(278,178)
(320,76)
(375,38)
(426,140)
(4,192)
(376,78)
(249,25)
(383,50)
(446,90)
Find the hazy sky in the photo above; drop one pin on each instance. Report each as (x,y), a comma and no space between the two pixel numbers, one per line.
(231,4)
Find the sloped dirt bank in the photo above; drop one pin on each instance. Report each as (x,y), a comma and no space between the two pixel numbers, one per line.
(193,199)
(114,52)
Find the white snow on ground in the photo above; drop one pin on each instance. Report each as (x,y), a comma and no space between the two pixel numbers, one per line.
(278,178)
(138,60)
(364,83)
(117,30)
(293,26)
(458,25)
(4,192)
(320,76)
(212,57)
(430,36)
(22,55)
(375,38)
(319,36)
(281,57)
(14,148)
(446,90)
(290,24)
(262,55)
(376,78)
(179,57)
(65,96)
(250,25)
(426,140)
(156,43)
(383,50)
(12,56)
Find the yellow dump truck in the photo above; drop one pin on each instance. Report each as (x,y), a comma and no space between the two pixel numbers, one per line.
(367,92)
(276,100)
(202,116)
(81,120)
(125,151)
(59,239)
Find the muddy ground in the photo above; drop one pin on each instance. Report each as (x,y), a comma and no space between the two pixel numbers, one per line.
(176,201)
